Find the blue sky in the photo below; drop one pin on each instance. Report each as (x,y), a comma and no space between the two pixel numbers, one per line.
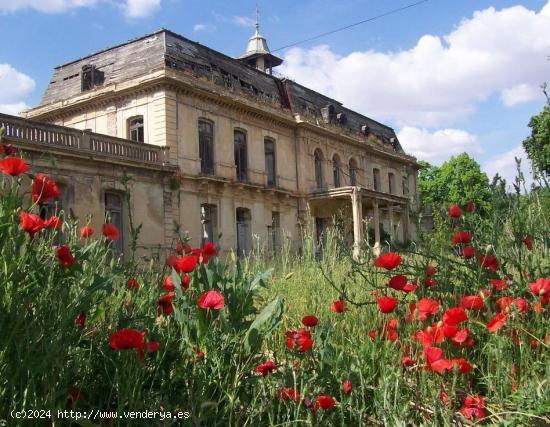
(449,76)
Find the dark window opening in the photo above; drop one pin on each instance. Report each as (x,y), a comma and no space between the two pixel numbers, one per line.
(275,231)
(318,156)
(353,172)
(209,223)
(136,129)
(376,179)
(391,183)
(241,161)
(206,147)
(336,170)
(244,232)
(91,77)
(113,214)
(269,150)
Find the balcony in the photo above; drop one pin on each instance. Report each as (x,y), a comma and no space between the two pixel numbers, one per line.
(31,135)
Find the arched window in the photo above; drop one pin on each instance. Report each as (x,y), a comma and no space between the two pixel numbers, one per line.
(353,172)
(336,170)
(206,146)
(376,179)
(318,156)
(241,161)
(269,151)
(135,129)
(391,183)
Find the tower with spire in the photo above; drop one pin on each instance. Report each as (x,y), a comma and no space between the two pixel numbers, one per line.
(257,53)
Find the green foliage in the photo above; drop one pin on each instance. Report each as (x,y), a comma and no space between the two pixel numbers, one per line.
(537,145)
(458,180)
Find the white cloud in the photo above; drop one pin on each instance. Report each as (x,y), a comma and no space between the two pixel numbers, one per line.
(243,21)
(203,28)
(520,94)
(440,80)
(437,147)
(140,8)
(14,86)
(505,165)
(46,6)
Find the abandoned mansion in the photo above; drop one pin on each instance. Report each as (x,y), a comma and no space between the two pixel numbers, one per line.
(214,146)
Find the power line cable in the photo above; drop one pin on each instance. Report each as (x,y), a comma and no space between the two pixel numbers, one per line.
(391,12)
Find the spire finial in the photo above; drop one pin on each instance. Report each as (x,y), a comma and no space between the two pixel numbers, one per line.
(257,18)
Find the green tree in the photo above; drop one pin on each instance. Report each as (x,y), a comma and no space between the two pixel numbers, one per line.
(458,180)
(537,145)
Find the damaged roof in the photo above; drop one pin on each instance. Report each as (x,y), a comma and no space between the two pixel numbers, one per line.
(166,49)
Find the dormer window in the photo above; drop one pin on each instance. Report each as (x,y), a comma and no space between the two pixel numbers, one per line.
(91,77)
(135,129)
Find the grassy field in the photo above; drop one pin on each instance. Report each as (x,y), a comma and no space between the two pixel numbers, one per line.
(453,330)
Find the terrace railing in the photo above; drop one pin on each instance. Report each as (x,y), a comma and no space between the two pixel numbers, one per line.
(41,134)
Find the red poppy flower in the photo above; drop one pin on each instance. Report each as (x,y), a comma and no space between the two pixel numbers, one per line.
(31,223)
(13,166)
(168,284)
(53,223)
(528,242)
(185,281)
(504,303)
(300,340)
(80,320)
(209,249)
(472,302)
(435,360)
(186,264)
(454,316)
(455,211)
(133,284)
(399,283)
(461,237)
(44,188)
(497,322)
(86,232)
(165,303)
(111,232)
(266,368)
(347,387)
(179,248)
(489,261)
(64,256)
(339,306)
(426,307)
(461,335)
(540,287)
(464,365)
(310,321)
(468,252)
(407,361)
(127,339)
(152,346)
(521,304)
(287,393)
(474,407)
(498,284)
(324,401)
(470,207)
(386,304)
(389,261)
(430,270)
(211,299)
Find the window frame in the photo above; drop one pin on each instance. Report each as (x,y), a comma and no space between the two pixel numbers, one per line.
(318,159)
(241,159)
(139,128)
(206,147)
(270,181)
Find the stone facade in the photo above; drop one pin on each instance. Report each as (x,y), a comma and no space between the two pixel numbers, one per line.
(247,158)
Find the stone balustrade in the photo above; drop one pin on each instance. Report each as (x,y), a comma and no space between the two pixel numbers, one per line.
(26,131)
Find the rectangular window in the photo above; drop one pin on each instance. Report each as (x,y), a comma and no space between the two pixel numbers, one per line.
(376,179)
(209,223)
(206,147)
(391,183)
(269,150)
(275,231)
(113,214)
(241,160)
(244,232)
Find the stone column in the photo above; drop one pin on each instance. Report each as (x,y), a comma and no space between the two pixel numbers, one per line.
(357,211)
(376,220)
